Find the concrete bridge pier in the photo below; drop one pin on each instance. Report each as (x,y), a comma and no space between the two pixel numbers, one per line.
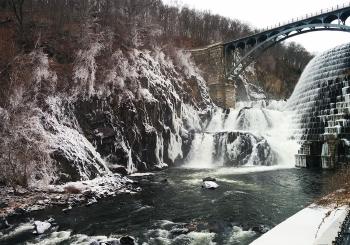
(212,61)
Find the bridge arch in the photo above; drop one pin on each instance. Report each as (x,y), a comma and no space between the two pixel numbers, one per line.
(330,18)
(266,41)
(252,46)
(344,16)
(225,61)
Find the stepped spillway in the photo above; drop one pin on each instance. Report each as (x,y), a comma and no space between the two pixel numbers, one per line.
(321,106)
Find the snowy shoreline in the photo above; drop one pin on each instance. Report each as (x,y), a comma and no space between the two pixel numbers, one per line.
(66,196)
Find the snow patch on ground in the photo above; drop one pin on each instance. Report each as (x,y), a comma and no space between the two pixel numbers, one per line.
(101,186)
(311,225)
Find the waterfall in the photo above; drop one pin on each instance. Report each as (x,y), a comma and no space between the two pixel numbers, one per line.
(202,151)
(253,134)
(130,166)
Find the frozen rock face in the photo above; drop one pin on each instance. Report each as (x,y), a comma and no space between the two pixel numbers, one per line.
(232,149)
(238,148)
(145,121)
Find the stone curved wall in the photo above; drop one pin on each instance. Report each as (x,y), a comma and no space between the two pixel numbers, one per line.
(321,102)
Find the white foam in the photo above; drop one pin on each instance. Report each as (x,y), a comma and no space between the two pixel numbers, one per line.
(269,122)
(238,234)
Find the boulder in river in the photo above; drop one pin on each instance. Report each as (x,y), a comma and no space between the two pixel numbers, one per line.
(127,240)
(210,185)
(260,229)
(41,227)
(4,224)
(209,179)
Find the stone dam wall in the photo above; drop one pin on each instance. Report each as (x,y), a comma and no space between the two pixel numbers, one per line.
(321,103)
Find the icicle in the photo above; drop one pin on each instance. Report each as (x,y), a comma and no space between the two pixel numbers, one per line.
(130,166)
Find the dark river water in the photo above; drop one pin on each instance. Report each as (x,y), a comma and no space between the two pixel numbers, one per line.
(179,211)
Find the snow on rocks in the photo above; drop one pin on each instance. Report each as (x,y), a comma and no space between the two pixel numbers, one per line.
(102,186)
(211,185)
(41,227)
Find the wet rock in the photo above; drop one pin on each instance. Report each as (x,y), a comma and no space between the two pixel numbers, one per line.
(36,208)
(89,194)
(209,179)
(242,148)
(211,185)
(119,170)
(57,198)
(3,204)
(41,227)
(113,242)
(66,210)
(71,189)
(21,191)
(4,224)
(217,226)
(260,229)
(20,211)
(192,227)
(127,240)
(91,202)
(51,219)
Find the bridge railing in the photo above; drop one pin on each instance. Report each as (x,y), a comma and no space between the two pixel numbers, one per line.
(307,16)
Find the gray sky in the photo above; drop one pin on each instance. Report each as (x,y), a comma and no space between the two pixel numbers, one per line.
(263,13)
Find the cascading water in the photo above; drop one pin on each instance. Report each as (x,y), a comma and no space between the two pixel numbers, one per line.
(202,151)
(253,134)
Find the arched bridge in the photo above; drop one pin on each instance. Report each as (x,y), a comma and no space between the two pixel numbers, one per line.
(228,60)
(252,46)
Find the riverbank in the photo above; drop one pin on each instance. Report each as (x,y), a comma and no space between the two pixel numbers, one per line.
(66,196)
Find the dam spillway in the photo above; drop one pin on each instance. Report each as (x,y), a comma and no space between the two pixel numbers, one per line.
(320,105)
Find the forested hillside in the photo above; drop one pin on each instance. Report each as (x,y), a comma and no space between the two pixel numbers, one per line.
(59,28)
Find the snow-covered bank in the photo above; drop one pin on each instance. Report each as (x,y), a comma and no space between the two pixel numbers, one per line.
(312,225)
(68,195)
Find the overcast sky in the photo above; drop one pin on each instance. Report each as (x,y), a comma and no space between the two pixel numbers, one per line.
(262,13)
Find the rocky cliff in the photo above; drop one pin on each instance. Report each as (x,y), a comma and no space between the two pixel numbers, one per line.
(136,114)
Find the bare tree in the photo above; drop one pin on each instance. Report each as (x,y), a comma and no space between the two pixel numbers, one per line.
(17,8)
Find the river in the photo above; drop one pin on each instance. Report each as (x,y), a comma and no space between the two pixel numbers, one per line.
(172,208)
